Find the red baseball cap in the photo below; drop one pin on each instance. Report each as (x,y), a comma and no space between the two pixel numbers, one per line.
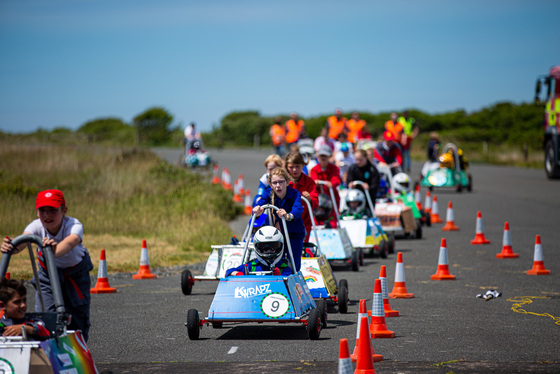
(388,136)
(52,198)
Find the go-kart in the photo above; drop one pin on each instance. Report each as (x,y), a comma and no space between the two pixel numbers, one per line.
(195,155)
(398,214)
(433,175)
(263,298)
(367,234)
(318,273)
(335,242)
(65,351)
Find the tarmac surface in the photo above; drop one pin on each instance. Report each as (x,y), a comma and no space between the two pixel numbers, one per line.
(444,328)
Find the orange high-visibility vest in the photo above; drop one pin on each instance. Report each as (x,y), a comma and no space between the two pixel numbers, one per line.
(354,127)
(336,126)
(277,134)
(294,130)
(396,128)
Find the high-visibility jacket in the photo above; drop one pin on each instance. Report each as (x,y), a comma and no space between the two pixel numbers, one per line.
(408,127)
(354,127)
(396,128)
(552,112)
(277,134)
(336,126)
(293,130)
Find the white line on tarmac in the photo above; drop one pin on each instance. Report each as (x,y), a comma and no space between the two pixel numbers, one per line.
(232,350)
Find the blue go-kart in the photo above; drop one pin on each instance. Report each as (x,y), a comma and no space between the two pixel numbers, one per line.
(261,297)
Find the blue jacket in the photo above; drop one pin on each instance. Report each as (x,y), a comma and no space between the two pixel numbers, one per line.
(255,265)
(291,203)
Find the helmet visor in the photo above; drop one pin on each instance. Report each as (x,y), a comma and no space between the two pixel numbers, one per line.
(268,248)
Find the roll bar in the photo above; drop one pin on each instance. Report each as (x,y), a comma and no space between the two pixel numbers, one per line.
(313,227)
(324,183)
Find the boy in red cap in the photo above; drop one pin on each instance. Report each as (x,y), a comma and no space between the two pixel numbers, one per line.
(64,235)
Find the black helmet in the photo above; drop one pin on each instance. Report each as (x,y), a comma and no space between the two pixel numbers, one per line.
(324,209)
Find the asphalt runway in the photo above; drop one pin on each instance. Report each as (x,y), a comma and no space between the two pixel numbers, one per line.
(445,327)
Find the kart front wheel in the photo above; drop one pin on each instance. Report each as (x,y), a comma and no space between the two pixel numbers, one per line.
(187,282)
(314,324)
(361,256)
(418,229)
(383,249)
(322,306)
(193,324)
(343,296)
(392,243)
(355,262)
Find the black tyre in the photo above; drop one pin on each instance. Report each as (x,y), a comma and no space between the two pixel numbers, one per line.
(552,170)
(322,306)
(469,187)
(418,229)
(355,262)
(217,325)
(193,324)
(361,256)
(314,324)
(428,219)
(383,249)
(459,187)
(392,243)
(343,296)
(186,282)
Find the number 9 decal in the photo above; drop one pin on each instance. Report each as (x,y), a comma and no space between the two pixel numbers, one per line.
(275,305)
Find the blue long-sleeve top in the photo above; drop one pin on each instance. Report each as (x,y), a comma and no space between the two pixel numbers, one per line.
(291,203)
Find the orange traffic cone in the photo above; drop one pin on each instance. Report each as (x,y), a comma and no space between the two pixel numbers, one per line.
(507,250)
(215,172)
(418,197)
(399,288)
(144,271)
(434,215)
(102,285)
(442,272)
(365,350)
(362,312)
(236,196)
(428,203)
(224,172)
(450,218)
(344,362)
(248,210)
(241,186)
(538,260)
(479,237)
(378,327)
(389,312)
(226,181)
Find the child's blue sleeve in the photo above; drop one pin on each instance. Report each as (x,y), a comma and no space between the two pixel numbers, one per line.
(297,209)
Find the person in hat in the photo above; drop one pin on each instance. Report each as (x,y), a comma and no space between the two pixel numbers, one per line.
(388,152)
(65,236)
(328,172)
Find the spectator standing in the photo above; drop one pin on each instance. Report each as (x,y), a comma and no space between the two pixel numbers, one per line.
(410,131)
(355,127)
(278,137)
(295,127)
(336,124)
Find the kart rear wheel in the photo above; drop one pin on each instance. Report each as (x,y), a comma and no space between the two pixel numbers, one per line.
(193,324)
(418,229)
(355,263)
(314,324)
(428,219)
(322,306)
(469,186)
(459,187)
(361,256)
(186,282)
(392,243)
(343,296)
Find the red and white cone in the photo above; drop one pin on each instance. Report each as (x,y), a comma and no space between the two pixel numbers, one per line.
(241,185)
(399,289)
(362,312)
(224,172)
(344,361)
(538,260)
(215,172)
(450,218)
(389,312)
(418,197)
(227,180)
(479,237)
(102,285)
(365,351)
(507,249)
(248,210)
(428,203)
(434,215)
(144,271)
(443,264)
(236,195)
(378,327)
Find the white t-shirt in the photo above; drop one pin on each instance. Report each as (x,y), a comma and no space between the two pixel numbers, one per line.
(69,226)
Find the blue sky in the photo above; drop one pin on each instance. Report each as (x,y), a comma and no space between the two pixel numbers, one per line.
(64,62)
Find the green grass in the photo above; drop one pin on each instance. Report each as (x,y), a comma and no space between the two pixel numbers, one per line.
(121,195)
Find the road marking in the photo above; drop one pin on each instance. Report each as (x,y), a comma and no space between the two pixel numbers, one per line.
(232,350)
(519,301)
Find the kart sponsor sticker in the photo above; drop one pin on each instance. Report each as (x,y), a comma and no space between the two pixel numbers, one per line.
(437,178)
(249,292)
(6,366)
(299,292)
(275,305)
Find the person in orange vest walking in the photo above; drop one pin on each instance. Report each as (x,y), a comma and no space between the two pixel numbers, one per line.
(395,127)
(355,126)
(336,124)
(295,127)
(278,137)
